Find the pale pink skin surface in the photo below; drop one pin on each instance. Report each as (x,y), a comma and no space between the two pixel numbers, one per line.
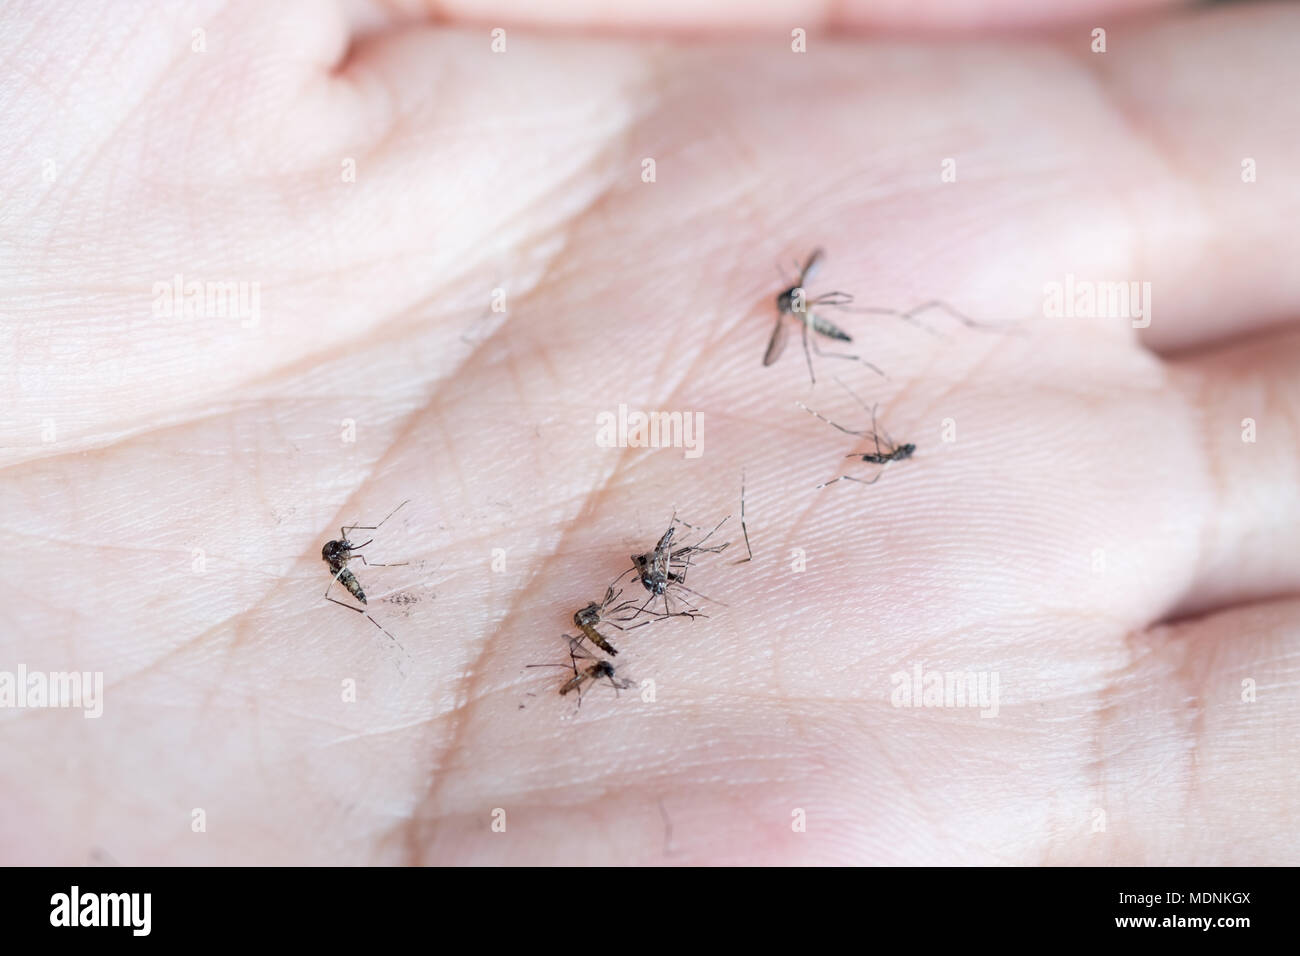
(1079,441)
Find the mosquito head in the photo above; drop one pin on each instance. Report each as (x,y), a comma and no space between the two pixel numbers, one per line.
(335,553)
(784,301)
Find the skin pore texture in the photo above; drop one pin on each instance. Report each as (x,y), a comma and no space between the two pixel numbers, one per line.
(1098,534)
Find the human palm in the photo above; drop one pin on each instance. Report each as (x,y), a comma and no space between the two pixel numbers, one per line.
(1081,518)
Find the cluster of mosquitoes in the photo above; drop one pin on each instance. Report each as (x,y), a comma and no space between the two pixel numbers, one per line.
(663,570)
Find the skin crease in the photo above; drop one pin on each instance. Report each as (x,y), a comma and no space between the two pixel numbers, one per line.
(1098,534)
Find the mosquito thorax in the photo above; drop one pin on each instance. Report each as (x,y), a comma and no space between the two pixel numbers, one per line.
(602,669)
(784,300)
(589,616)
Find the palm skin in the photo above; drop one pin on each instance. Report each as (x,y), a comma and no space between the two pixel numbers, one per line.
(1081,516)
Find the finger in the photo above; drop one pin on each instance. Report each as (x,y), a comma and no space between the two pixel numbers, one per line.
(739,15)
(1191,756)
(1247,400)
(1212,180)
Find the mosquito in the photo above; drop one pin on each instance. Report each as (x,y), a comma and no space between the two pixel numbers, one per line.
(597,671)
(884,453)
(337,554)
(794,302)
(665,567)
(605,613)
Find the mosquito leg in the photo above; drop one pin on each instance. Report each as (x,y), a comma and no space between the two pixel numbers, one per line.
(698,595)
(696,545)
(846,431)
(630,627)
(341,604)
(385,630)
(574,643)
(684,563)
(911,314)
(372,527)
(873,410)
(614,621)
(807,354)
(909,317)
(690,610)
(945,307)
(870,409)
(836,300)
(681,558)
(376,564)
(743,526)
(860,481)
(643,607)
(631,570)
(845,355)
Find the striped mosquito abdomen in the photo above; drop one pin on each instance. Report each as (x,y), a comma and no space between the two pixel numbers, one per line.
(573,683)
(586,621)
(824,326)
(349,581)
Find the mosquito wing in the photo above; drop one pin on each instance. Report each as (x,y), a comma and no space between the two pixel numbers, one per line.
(810,267)
(776,344)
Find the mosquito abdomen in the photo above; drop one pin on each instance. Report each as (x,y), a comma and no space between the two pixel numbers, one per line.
(597,638)
(349,581)
(829,329)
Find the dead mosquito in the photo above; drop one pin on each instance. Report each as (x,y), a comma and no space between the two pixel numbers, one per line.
(614,614)
(795,302)
(337,554)
(665,567)
(597,671)
(883,454)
